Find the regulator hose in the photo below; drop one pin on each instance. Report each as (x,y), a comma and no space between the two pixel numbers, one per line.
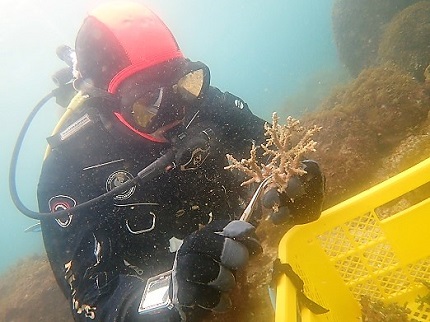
(13,164)
(161,165)
(150,171)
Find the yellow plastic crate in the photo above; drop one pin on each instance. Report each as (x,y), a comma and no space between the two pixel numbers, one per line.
(351,251)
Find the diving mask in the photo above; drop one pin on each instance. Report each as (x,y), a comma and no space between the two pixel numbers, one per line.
(153,109)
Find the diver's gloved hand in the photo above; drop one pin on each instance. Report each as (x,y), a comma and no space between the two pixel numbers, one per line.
(205,263)
(301,202)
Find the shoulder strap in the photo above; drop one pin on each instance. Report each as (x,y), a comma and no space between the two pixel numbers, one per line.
(88,118)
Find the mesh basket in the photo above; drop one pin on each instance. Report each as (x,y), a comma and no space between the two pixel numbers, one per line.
(374,245)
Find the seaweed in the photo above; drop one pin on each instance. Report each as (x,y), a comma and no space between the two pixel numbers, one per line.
(378,311)
(404,42)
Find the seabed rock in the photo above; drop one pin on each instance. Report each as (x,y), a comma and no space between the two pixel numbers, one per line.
(358,27)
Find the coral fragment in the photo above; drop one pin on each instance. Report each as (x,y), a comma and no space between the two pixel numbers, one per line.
(283,152)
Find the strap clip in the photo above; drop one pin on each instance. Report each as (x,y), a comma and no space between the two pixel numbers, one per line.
(284,268)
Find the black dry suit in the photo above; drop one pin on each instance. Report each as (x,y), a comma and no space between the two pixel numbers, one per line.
(102,256)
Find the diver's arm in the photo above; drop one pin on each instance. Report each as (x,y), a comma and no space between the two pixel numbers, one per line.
(239,125)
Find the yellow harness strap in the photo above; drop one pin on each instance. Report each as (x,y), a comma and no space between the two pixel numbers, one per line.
(76,102)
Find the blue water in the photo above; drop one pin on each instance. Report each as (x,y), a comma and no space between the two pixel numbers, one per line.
(264,51)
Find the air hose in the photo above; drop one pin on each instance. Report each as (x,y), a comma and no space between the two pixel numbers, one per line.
(12,173)
(161,165)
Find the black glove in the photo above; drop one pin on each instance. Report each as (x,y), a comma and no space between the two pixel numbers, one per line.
(301,202)
(204,267)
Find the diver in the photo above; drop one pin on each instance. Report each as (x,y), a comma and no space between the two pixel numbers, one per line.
(166,248)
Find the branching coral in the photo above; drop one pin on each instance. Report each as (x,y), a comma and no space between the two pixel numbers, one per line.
(284,155)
